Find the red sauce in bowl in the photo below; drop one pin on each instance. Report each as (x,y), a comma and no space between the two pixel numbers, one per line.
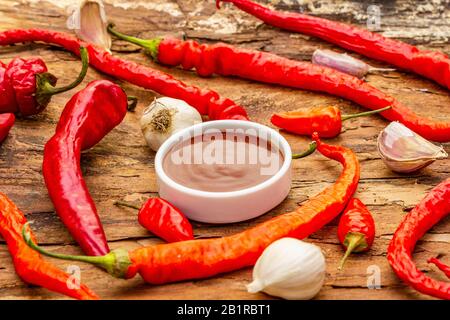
(222,162)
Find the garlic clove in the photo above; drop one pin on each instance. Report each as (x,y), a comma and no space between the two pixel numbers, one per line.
(289,269)
(164,117)
(404,151)
(341,62)
(88,20)
(344,63)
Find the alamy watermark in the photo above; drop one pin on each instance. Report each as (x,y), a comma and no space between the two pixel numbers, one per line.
(373,18)
(74,280)
(373,277)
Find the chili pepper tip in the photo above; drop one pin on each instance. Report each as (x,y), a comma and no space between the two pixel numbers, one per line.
(316,138)
(440,265)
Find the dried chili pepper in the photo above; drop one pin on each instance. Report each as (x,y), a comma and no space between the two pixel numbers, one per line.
(28,263)
(430,64)
(356,229)
(227,60)
(162,219)
(87,118)
(26,87)
(327,121)
(443,267)
(6,123)
(207,102)
(434,207)
(207,257)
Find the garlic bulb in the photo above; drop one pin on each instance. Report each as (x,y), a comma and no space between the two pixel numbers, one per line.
(403,150)
(290,269)
(165,116)
(88,20)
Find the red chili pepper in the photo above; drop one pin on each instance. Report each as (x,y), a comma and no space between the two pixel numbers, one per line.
(327,121)
(443,267)
(203,258)
(6,123)
(430,64)
(86,119)
(434,207)
(29,264)
(265,67)
(26,87)
(163,219)
(205,101)
(356,229)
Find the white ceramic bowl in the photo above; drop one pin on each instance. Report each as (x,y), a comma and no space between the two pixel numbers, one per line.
(232,206)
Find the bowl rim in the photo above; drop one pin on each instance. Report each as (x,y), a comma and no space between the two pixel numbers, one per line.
(228,124)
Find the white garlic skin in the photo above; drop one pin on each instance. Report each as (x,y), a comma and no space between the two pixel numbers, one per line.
(404,151)
(341,62)
(290,269)
(88,20)
(344,63)
(182,116)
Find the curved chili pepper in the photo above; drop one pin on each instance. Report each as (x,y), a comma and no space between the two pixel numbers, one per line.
(356,229)
(443,267)
(207,102)
(86,119)
(327,121)
(227,60)
(430,64)
(208,257)
(26,87)
(162,219)
(6,123)
(434,207)
(28,263)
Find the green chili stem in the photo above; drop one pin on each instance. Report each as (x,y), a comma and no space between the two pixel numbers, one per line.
(126,204)
(115,263)
(46,88)
(311,149)
(353,240)
(90,259)
(151,45)
(367,113)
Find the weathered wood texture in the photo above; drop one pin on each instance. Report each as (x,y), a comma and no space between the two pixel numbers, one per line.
(121,166)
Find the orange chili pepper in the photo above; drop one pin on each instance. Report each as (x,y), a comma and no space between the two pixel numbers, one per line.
(326,121)
(28,263)
(203,258)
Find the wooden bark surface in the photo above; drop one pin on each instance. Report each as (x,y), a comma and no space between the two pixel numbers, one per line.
(121,166)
